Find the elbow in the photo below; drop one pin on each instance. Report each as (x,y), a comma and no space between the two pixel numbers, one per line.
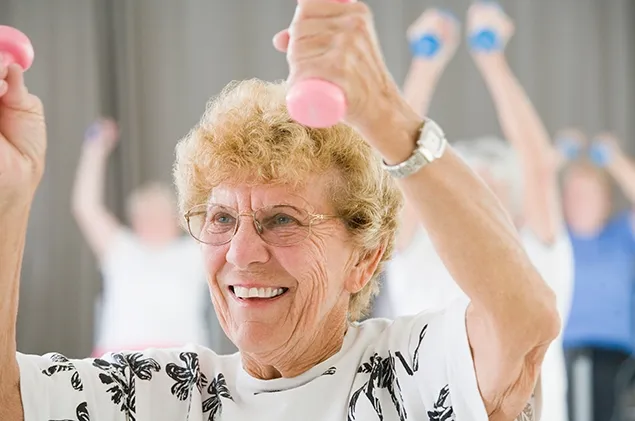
(547,321)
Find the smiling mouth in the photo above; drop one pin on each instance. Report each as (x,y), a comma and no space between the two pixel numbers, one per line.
(244,293)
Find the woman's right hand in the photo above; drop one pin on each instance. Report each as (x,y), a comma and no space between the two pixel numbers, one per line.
(22,140)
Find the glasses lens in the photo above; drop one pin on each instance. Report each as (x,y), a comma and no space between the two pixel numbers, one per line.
(283,225)
(212,225)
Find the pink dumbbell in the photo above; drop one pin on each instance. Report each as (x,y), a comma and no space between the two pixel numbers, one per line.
(315,102)
(15,47)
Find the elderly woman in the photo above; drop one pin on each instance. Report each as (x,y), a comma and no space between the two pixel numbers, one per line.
(294,224)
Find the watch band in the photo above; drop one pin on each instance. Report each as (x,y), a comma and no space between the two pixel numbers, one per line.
(429,147)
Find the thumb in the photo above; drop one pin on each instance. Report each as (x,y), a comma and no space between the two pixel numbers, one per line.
(281,40)
(16,92)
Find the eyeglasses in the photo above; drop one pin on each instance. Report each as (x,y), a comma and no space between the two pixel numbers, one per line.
(280,225)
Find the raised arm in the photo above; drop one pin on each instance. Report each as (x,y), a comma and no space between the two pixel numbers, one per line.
(22,152)
(512,317)
(426,68)
(607,152)
(520,124)
(96,222)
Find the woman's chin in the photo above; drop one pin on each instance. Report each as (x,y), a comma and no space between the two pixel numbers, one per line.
(258,338)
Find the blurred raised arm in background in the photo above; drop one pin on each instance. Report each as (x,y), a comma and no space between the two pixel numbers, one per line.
(98,225)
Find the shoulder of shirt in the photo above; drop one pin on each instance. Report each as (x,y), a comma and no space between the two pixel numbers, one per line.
(377,328)
(204,355)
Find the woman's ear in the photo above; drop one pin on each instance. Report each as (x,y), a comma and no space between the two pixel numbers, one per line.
(364,269)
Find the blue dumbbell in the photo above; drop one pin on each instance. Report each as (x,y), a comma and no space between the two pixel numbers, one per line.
(92,131)
(427,46)
(599,154)
(568,147)
(485,40)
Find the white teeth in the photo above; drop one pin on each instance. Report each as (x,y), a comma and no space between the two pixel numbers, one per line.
(242,292)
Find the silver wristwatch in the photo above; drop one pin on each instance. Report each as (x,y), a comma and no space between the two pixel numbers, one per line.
(430,146)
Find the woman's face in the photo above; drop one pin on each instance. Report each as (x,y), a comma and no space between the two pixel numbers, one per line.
(153,219)
(316,276)
(586,200)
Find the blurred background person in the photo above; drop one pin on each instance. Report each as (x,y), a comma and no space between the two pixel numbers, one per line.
(600,329)
(154,285)
(523,172)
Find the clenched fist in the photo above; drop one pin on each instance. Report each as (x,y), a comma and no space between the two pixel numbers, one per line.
(337,42)
(22,139)
(490,16)
(442,25)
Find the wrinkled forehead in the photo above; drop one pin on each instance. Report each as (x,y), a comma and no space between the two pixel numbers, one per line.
(310,194)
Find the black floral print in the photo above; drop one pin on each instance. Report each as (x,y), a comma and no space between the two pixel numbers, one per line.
(330,371)
(121,376)
(217,389)
(442,409)
(63,365)
(382,374)
(186,377)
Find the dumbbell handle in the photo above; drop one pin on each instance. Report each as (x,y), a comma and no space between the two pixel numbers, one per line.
(315,102)
(485,40)
(427,46)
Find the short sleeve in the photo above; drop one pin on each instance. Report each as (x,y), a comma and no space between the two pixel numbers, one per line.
(119,387)
(442,364)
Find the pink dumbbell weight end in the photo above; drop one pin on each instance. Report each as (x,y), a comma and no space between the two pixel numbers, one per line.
(315,102)
(15,47)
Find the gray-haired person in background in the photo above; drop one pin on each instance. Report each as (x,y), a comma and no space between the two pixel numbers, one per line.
(521,171)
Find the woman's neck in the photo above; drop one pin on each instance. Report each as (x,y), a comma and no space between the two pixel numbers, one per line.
(300,355)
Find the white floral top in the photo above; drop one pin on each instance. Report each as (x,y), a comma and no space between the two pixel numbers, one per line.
(414,368)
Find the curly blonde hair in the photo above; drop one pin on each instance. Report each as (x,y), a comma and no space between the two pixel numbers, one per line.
(247,136)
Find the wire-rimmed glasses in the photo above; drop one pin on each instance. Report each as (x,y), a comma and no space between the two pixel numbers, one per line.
(279,225)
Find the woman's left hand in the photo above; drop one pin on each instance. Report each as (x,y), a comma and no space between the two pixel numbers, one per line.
(337,42)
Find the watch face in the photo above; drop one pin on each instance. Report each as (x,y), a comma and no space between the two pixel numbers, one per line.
(432,142)
(432,139)
(430,146)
